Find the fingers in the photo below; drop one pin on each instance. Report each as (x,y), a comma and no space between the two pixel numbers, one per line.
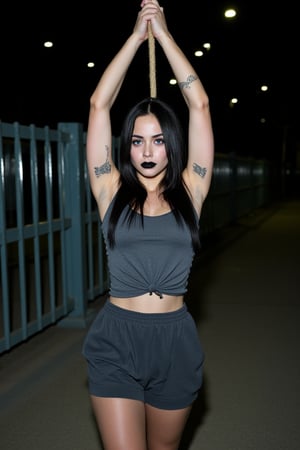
(145,2)
(152,12)
(149,9)
(150,6)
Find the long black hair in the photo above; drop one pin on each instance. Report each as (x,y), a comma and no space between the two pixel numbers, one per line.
(132,192)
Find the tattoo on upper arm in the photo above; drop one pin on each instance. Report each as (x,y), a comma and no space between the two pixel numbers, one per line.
(187,84)
(199,170)
(105,168)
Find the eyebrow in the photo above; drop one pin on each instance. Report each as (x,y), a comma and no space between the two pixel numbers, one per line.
(141,137)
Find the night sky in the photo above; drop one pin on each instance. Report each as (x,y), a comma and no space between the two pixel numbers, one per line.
(259,46)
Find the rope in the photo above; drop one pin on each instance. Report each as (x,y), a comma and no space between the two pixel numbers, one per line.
(152,69)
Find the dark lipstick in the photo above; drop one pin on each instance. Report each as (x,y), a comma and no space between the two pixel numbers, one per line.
(148,165)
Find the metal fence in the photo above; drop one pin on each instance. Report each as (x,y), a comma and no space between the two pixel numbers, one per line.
(53,263)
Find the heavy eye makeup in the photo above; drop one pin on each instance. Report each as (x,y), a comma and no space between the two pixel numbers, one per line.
(138,140)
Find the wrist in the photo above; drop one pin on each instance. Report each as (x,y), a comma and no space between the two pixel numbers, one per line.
(135,40)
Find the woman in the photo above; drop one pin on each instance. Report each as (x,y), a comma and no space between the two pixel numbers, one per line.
(143,351)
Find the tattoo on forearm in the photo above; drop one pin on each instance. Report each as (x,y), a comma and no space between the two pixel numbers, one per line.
(187,84)
(200,170)
(105,168)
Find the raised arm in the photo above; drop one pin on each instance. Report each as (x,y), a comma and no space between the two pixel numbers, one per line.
(198,172)
(103,173)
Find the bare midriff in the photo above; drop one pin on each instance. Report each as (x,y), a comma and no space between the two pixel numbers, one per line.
(149,303)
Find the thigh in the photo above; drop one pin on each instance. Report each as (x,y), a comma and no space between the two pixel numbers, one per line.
(121,422)
(165,427)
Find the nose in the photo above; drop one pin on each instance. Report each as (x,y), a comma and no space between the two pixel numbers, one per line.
(147,150)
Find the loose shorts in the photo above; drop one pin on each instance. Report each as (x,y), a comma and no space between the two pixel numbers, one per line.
(156,358)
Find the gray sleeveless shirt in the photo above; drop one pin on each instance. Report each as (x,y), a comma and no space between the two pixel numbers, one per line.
(154,258)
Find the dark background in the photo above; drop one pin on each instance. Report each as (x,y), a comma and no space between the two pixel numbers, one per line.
(260,46)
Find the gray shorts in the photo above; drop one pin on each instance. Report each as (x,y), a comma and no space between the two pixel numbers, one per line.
(156,358)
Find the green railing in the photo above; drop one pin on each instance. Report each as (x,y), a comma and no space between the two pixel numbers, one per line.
(53,262)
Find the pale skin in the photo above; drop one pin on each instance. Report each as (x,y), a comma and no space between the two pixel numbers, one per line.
(124,423)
